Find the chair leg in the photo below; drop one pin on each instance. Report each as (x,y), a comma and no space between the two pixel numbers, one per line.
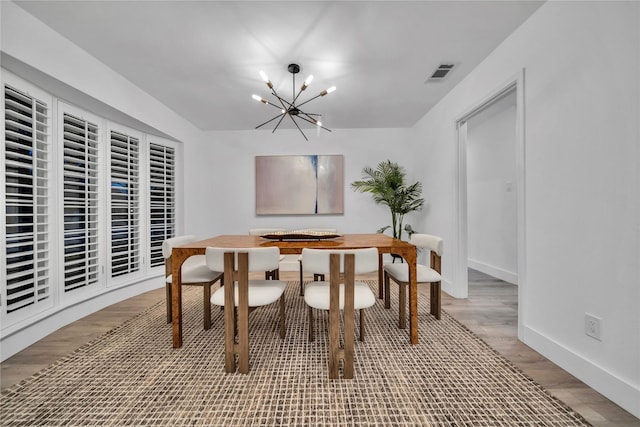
(436,300)
(221,285)
(310,315)
(272,275)
(207,305)
(301,283)
(283,327)
(402,297)
(168,292)
(362,325)
(235,323)
(387,298)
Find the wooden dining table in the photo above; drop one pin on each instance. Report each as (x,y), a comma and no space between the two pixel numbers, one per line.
(384,244)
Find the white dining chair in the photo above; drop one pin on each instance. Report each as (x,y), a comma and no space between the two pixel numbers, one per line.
(316,277)
(430,274)
(273,274)
(341,293)
(240,296)
(194,273)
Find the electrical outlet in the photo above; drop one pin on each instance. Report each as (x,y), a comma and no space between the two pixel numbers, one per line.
(592,326)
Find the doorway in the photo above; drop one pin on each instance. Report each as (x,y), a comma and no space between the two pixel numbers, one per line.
(491,195)
(490,191)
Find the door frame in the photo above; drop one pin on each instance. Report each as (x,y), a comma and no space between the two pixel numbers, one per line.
(460,275)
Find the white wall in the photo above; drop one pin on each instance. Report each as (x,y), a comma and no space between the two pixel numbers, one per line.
(581,96)
(222,170)
(221,179)
(491,191)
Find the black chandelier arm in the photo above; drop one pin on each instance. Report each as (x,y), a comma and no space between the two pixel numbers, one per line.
(296,123)
(274,105)
(312,122)
(309,100)
(283,101)
(270,120)
(279,121)
(299,93)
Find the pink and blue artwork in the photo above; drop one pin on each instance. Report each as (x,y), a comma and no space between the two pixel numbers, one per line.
(299,185)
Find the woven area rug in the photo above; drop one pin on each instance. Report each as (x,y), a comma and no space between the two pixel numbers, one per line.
(132,376)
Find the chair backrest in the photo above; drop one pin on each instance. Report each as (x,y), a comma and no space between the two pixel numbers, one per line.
(316,261)
(260,259)
(169,244)
(428,241)
(260,231)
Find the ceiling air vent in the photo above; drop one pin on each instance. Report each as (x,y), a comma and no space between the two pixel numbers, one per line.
(440,73)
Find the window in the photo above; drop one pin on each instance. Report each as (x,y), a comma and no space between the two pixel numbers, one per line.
(26,156)
(81,210)
(86,204)
(161,198)
(125,201)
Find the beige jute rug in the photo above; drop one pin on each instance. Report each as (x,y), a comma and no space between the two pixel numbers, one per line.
(133,376)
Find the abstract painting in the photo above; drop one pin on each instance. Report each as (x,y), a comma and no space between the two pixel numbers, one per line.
(299,185)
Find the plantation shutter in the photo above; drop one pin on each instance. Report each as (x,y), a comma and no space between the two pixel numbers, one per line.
(162,199)
(80,139)
(125,200)
(27,146)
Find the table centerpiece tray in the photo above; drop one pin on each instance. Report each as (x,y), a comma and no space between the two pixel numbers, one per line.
(300,235)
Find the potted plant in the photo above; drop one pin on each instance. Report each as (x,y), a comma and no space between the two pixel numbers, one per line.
(387,185)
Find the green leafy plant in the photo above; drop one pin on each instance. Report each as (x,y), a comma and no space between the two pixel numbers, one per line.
(387,185)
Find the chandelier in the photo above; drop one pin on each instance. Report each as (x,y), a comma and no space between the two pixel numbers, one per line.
(292,109)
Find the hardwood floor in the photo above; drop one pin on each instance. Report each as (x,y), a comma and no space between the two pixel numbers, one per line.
(490,312)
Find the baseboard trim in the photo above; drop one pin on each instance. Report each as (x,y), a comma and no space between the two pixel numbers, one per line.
(621,392)
(491,270)
(16,341)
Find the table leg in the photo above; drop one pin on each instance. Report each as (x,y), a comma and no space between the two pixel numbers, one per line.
(380,282)
(178,257)
(411,258)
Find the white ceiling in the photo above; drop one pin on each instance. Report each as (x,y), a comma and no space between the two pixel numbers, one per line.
(202,58)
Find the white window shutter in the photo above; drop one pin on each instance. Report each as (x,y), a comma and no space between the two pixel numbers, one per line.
(81,210)
(27,178)
(125,204)
(161,199)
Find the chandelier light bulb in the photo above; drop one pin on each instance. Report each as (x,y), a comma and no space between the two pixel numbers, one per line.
(307,82)
(324,92)
(259,98)
(266,79)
